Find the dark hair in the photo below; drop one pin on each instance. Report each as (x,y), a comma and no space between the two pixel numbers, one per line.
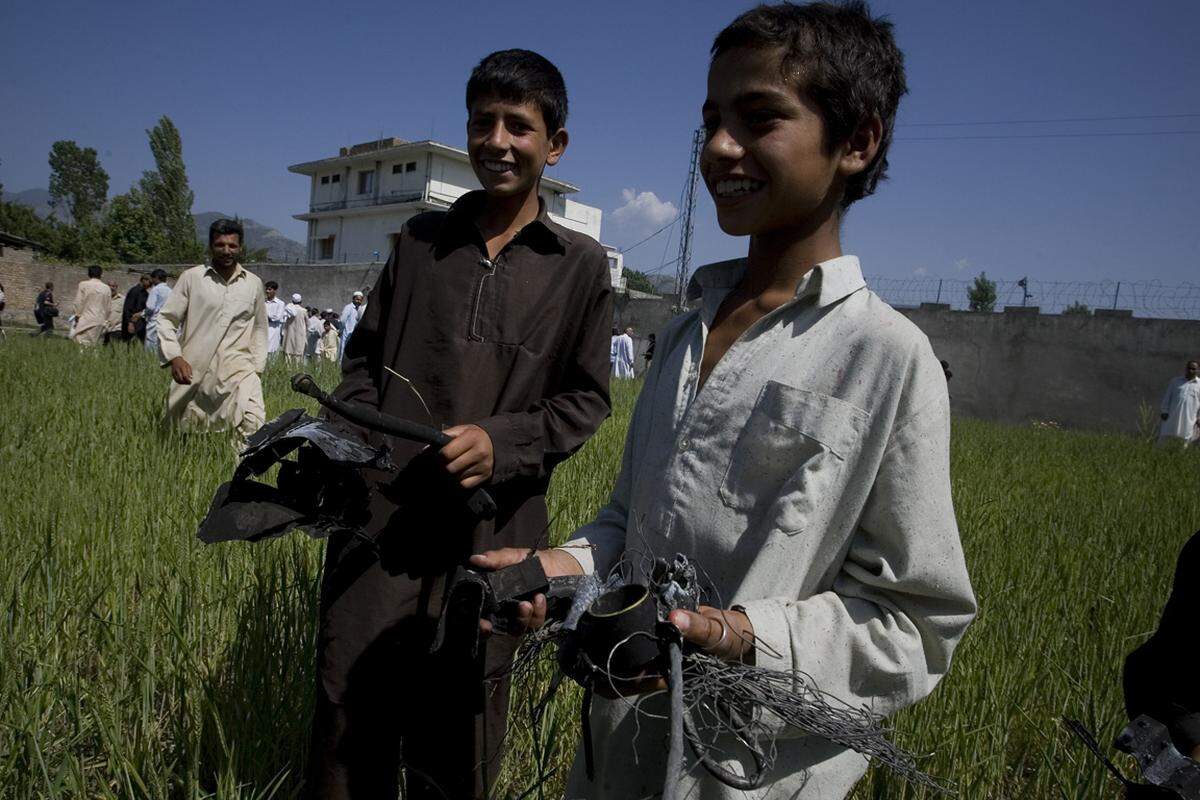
(224,227)
(521,76)
(94,271)
(271,285)
(160,274)
(841,57)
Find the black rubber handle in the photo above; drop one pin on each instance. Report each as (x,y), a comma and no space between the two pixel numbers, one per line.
(369,417)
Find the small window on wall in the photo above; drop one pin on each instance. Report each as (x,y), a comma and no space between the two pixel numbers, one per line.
(324,179)
(366,181)
(326,248)
(397,169)
(337,179)
(410,166)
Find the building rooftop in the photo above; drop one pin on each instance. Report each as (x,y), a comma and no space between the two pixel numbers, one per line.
(399,148)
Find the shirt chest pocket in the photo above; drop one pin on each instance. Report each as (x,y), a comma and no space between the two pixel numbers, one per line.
(789,457)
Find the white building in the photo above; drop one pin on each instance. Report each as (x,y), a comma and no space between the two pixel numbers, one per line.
(359,199)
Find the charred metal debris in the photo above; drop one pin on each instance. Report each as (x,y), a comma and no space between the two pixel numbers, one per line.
(1166,773)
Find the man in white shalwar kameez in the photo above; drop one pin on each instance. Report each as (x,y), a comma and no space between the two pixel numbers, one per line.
(93,301)
(276,318)
(217,362)
(155,300)
(351,313)
(295,332)
(622,355)
(1181,408)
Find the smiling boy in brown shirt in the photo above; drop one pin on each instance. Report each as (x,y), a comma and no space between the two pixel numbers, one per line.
(498,317)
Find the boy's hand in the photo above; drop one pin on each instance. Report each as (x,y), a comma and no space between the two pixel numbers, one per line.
(469,458)
(724,633)
(181,371)
(555,563)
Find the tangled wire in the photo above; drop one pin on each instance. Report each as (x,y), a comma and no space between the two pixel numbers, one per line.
(716,706)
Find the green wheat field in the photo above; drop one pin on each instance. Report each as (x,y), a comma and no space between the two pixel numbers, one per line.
(137,663)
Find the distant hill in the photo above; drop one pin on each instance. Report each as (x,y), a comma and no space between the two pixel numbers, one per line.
(39,201)
(279,247)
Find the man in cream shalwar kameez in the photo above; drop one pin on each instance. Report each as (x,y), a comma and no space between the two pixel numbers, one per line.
(93,301)
(1181,408)
(295,332)
(223,348)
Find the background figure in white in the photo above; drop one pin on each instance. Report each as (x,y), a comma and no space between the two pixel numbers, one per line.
(316,329)
(330,343)
(159,292)
(1181,407)
(622,355)
(295,332)
(276,317)
(351,313)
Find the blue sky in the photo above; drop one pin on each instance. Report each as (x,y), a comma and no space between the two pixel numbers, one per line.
(260,85)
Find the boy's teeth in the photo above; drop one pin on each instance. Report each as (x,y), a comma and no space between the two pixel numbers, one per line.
(497,166)
(737,187)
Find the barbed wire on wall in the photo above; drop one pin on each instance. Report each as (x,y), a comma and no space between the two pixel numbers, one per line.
(1143,298)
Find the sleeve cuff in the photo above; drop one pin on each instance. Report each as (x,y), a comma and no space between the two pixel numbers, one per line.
(582,551)
(511,447)
(772,633)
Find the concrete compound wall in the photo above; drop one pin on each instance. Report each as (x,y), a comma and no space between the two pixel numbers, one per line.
(1078,371)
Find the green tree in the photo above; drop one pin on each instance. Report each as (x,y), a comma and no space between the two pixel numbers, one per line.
(20,221)
(1077,308)
(981,295)
(638,281)
(169,196)
(131,230)
(77,181)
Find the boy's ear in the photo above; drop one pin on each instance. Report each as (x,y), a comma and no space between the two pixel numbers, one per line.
(860,149)
(558,146)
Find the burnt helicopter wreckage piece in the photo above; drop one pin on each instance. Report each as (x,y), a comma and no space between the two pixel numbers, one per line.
(1167,774)
(322,491)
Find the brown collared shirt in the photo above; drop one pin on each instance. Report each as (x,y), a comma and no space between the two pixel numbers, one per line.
(517,345)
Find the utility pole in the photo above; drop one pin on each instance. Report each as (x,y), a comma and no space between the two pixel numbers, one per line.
(683,263)
(1025,295)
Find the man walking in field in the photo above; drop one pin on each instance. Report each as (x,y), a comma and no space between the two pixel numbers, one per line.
(1181,408)
(93,300)
(217,361)
(113,329)
(276,318)
(155,301)
(295,332)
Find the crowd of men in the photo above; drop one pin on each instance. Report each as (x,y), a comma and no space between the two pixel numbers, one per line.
(215,329)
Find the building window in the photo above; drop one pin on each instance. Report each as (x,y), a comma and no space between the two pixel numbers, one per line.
(337,179)
(366,181)
(612,262)
(324,179)
(397,169)
(410,166)
(326,248)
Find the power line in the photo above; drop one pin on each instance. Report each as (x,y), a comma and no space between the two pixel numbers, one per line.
(1044,121)
(651,236)
(1106,134)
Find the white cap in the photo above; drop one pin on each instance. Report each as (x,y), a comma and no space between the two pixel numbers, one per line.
(357,294)
(295,298)
(329,311)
